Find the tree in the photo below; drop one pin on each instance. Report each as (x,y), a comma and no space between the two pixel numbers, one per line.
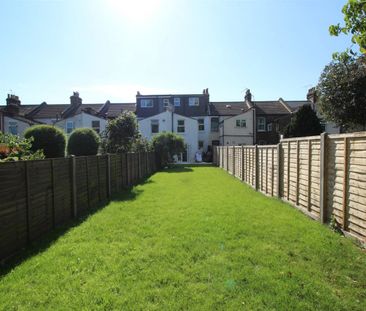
(354,23)
(48,138)
(83,142)
(341,93)
(121,133)
(14,148)
(304,123)
(166,145)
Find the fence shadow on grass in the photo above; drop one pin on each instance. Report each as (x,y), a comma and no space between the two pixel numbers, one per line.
(41,245)
(184,168)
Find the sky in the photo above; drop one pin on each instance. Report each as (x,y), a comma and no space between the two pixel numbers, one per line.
(110,49)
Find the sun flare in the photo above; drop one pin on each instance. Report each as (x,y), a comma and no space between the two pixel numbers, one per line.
(135,10)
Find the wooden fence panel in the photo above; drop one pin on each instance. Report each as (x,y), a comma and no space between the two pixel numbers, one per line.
(82,193)
(13,208)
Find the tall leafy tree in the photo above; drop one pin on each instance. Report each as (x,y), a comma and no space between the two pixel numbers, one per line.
(121,133)
(341,93)
(354,12)
(304,123)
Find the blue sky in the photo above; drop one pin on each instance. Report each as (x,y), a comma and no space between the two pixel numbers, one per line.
(109,49)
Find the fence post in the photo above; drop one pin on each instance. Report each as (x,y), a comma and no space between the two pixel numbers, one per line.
(256,166)
(279,170)
(73,177)
(272,171)
(109,190)
(345,184)
(297,171)
(323,179)
(309,175)
(233,161)
(87,180)
(227,158)
(242,163)
(288,170)
(53,192)
(27,186)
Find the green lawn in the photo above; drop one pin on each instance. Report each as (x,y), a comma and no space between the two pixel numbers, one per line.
(190,238)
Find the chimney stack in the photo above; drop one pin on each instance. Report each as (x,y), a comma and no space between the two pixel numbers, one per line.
(13,104)
(75,99)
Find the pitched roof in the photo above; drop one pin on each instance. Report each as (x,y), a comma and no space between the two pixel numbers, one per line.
(228,108)
(294,105)
(270,107)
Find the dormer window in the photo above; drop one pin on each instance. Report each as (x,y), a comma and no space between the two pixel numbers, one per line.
(147,103)
(166,102)
(194,101)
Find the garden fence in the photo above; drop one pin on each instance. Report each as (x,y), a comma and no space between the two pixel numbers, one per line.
(36,196)
(324,176)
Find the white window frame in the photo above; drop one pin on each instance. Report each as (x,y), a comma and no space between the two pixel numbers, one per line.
(166,102)
(261,124)
(13,125)
(96,128)
(146,103)
(67,127)
(176,101)
(154,122)
(181,127)
(201,124)
(201,142)
(193,101)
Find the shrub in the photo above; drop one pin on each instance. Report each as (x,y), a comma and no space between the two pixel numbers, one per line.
(83,142)
(166,145)
(14,148)
(48,138)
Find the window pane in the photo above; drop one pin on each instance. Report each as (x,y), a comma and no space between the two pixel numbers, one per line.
(243,123)
(237,123)
(201,124)
(194,101)
(214,124)
(176,101)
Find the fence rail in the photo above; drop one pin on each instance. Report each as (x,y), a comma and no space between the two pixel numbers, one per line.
(324,176)
(36,196)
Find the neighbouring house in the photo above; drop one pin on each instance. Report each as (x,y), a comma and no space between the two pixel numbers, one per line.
(16,117)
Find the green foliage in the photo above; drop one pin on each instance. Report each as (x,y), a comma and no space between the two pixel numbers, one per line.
(48,138)
(191,238)
(14,148)
(166,145)
(83,142)
(341,93)
(121,133)
(141,145)
(305,122)
(354,12)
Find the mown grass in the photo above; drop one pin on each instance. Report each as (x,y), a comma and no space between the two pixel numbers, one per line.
(192,238)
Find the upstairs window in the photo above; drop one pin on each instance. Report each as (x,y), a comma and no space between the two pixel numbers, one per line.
(166,102)
(69,126)
(241,123)
(214,124)
(201,124)
(176,101)
(146,103)
(181,127)
(261,124)
(194,101)
(13,128)
(269,127)
(154,126)
(96,125)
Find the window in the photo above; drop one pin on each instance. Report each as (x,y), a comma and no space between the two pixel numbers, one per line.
(166,102)
(176,101)
(154,126)
(201,124)
(241,123)
(181,128)
(261,124)
(269,127)
(215,143)
(96,125)
(200,144)
(146,103)
(194,101)
(69,126)
(214,124)
(13,128)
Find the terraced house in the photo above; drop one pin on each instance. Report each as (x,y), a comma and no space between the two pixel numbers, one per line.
(202,123)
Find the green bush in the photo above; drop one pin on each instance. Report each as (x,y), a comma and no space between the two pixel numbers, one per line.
(166,145)
(83,142)
(48,138)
